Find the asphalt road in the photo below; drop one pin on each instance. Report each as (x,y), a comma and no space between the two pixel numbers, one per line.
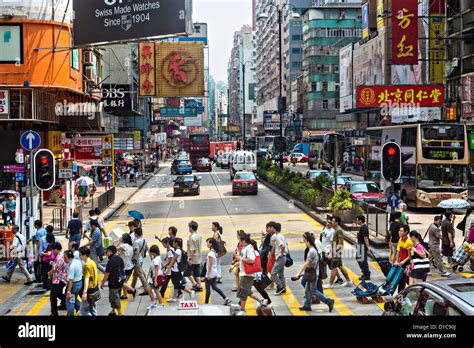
(216,203)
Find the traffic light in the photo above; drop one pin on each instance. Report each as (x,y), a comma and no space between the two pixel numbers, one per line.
(391,162)
(44,170)
(331,142)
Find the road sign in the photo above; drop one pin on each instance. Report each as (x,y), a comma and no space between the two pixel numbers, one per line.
(178,112)
(20,177)
(394,200)
(30,140)
(66,169)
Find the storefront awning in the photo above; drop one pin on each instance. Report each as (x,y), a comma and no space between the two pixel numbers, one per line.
(84,166)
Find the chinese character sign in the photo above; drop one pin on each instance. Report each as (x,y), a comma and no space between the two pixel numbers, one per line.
(377,96)
(4,102)
(405,32)
(180,69)
(147,69)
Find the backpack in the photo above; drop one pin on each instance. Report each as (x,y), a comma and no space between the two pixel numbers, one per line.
(183,264)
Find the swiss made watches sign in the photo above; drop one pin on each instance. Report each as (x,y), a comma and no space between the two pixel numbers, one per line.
(101,21)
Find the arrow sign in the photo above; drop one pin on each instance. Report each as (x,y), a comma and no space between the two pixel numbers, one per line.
(393,200)
(30,140)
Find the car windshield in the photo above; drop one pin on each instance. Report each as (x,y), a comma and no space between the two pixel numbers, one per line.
(340,180)
(184,163)
(185,178)
(245,176)
(365,188)
(314,175)
(346,178)
(204,160)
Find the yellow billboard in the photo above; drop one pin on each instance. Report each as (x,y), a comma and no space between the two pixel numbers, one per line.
(54,143)
(437,48)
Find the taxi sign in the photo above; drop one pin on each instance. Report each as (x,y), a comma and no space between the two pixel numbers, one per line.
(188,305)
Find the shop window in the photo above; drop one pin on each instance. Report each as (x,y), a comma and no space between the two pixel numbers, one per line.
(11,42)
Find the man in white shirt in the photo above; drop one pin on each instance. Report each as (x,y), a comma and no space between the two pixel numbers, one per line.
(18,253)
(279,252)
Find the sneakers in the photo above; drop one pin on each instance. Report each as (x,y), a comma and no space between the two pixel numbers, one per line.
(328,286)
(171,299)
(160,306)
(280,291)
(5,279)
(152,306)
(227,302)
(445,274)
(264,302)
(339,281)
(305,309)
(348,284)
(331,305)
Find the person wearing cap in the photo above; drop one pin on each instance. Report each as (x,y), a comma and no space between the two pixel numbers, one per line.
(115,276)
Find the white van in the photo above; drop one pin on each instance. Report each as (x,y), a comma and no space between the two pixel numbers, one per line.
(242,161)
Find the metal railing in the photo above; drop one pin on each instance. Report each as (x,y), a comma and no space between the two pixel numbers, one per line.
(106,199)
(58,219)
(377,219)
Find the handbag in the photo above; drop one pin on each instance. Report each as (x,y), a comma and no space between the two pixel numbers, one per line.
(309,274)
(289,261)
(93,295)
(323,273)
(462,225)
(255,267)
(222,249)
(270,264)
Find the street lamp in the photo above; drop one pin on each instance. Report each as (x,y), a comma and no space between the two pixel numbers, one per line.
(235,68)
(281,108)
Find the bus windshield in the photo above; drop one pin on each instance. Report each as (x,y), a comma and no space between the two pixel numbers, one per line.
(433,175)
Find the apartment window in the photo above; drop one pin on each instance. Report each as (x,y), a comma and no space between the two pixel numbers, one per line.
(314,86)
(337,104)
(325,68)
(335,68)
(325,104)
(75,59)
(296,64)
(12,44)
(296,37)
(296,50)
(325,86)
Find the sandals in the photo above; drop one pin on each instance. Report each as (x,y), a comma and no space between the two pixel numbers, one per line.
(124,297)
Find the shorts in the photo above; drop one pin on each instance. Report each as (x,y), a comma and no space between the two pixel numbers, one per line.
(446,250)
(194,270)
(128,272)
(176,278)
(161,281)
(419,274)
(114,298)
(335,263)
(245,287)
(393,248)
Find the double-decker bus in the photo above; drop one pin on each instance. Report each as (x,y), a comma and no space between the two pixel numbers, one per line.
(199,147)
(316,150)
(435,161)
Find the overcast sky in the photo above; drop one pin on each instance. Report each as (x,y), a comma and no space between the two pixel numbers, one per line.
(223,17)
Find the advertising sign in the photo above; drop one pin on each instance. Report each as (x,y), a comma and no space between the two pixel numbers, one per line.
(117,99)
(147,69)
(252,91)
(380,15)
(405,32)
(415,114)
(193,121)
(4,102)
(105,21)
(54,143)
(437,47)
(365,20)
(422,96)
(180,69)
(13,168)
(88,150)
(345,71)
(178,112)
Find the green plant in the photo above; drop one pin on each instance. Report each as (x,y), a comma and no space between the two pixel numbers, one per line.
(321,181)
(341,200)
(310,195)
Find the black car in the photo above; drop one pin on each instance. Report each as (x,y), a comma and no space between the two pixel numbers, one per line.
(187,184)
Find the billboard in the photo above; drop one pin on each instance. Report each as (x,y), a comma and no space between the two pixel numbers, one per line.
(345,78)
(380,15)
(147,69)
(105,21)
(193,121)
(437,29)
(467,97)
(4,102)
(180,69)
(405,32)
(365,20)
(422,96)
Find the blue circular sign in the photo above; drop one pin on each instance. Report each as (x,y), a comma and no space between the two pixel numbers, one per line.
(30,140)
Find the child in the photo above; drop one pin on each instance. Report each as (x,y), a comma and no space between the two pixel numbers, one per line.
(157,276)
(176,275)
(235,266)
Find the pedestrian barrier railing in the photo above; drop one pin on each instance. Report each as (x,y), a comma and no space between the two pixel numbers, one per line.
(58,220)
(106,199)
(377,219)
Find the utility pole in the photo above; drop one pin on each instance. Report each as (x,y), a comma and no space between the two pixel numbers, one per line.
(280,103)
(243,107)
(336,161)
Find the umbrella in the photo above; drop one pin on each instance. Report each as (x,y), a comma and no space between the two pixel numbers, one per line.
(84,181)
(9,192)
(136,215)
(454,203)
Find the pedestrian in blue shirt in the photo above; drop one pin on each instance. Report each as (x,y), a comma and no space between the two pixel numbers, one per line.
(96,244)
(40,233)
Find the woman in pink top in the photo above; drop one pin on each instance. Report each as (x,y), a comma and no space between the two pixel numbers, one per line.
(420,263)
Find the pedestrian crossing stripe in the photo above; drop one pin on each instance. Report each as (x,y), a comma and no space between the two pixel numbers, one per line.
(353,277)
(25,304)
(292,303)
(38,306)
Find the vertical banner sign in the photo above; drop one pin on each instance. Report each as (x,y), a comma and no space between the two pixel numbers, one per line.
(4,102)
(437,22)
(147,69)
(380,15)
(405,32)
(365,20)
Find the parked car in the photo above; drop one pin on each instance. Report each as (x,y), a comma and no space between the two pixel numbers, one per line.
(450,297)
(340,182)
(314,173)
(368,192)
(204,165)
(223,160)
(181,167)
(242,161)
(261,153)
(187,184)
(244,182)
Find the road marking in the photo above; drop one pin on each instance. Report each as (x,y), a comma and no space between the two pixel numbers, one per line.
(24,305)
(355,279)
(7,290)
(292,303)
(38,306)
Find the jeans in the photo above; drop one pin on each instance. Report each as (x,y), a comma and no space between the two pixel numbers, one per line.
(212,283)
(75,238)
(94,257)
(73,303)
(88,309)
(278,272)
(362,260)
(18,261)
(319,284)
(312,289)
(57,291)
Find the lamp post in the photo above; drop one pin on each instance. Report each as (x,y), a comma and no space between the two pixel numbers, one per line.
(281,107)
(244,69)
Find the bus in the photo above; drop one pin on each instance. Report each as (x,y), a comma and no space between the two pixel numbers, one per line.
(199,147)
(435,161)
(316,150)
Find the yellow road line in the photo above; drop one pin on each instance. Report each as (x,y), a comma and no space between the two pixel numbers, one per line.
(375,266)
(355,280)
(339,305)
(292,303)
(251,307)
(24,305)
(38,306)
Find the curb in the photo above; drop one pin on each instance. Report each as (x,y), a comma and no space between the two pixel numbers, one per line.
(348,236)
(121,205)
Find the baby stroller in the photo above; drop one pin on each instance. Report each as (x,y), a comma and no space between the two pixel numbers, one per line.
(366,290)
(461,257)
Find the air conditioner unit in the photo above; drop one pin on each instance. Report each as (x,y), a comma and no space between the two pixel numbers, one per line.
(90,74)
(88,58)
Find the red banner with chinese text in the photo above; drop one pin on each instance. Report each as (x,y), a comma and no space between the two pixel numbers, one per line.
(404,32)
(423,96)
(147,62)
